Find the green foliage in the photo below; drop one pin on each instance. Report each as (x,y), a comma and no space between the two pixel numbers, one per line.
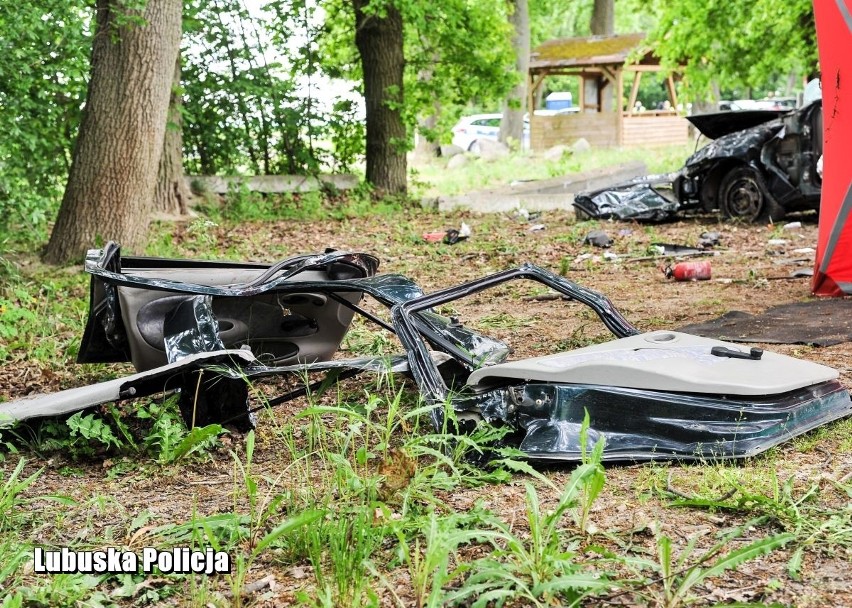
(542,569)
(732,45)
(14,317)
(109,432)
(42,88)
(428,558)
(458,52)
(168,439)
(812,524)
(92,429)
(246,106)
(680,575)
(340,547)
(594,482)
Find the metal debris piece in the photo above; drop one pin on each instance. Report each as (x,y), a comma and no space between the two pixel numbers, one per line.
(657,395)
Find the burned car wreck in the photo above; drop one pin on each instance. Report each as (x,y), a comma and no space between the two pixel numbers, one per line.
(208,329)
(758,166)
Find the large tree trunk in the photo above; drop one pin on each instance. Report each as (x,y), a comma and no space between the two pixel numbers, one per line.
(172,194)
(603,18)
(110,188)
(512,124)
(379,42)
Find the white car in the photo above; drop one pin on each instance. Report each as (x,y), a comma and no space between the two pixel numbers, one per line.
(469,129)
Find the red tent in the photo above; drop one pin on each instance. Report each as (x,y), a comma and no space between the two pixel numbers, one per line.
(833,270)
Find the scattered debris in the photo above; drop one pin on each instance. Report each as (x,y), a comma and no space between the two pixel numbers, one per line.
(598,238)
(777,242)
(688,271)
(524,215)
(642,199)
(537,227)
(802,272)
(793,226)
(814,322)
(708,240)
(742,404)
(673,249)
(449,237)
(805,251)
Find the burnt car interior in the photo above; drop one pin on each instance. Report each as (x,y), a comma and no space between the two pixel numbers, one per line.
(206,330)
(758,166)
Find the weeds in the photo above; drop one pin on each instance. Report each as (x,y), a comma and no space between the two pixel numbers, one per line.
(811,524)
(680,575)
(542,568)
(350,497)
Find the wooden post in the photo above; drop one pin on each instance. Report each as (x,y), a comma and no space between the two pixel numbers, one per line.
(619,114)
(670,85)
(634,92)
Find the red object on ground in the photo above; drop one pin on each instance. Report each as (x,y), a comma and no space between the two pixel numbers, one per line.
(833,268)
(688,271)
(434,237)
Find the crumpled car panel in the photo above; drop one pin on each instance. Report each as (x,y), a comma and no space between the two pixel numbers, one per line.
(452,365)
(651,199)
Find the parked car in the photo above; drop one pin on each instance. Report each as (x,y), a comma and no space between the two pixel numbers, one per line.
(760,165)
(469,129)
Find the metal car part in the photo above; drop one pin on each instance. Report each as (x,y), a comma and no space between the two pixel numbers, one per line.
(659,395)
(758,166)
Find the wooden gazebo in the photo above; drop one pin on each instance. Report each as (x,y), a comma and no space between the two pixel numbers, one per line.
(601,62)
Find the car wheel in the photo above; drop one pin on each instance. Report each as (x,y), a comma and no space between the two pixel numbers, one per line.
(475,148)
(743,196)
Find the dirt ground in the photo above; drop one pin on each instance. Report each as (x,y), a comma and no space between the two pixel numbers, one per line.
(748,274)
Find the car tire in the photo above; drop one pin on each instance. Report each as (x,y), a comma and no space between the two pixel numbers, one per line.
(743,196)
(475,148)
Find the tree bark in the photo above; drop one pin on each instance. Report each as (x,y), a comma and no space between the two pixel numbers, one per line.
(512,124)
(172,194)
(603,18)
(379,41)
(110,189)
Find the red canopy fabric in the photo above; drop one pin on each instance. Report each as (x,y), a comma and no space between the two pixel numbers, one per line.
(833,269)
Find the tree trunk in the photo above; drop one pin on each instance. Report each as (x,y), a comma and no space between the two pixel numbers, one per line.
(171,195)
(603,18)
(379,42)
(110,188)
(512,124)
(427,146)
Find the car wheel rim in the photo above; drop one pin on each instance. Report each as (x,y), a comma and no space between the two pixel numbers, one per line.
(745,199)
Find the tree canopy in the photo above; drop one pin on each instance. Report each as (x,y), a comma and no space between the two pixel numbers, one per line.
(736,44)
(255,80)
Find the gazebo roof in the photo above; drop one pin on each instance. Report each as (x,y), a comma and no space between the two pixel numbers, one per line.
(588,52)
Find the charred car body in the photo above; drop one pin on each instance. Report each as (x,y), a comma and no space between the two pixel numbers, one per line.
(207,330)
(758,166)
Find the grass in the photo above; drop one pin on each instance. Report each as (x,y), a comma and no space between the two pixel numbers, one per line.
(434,179)
(351,497)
